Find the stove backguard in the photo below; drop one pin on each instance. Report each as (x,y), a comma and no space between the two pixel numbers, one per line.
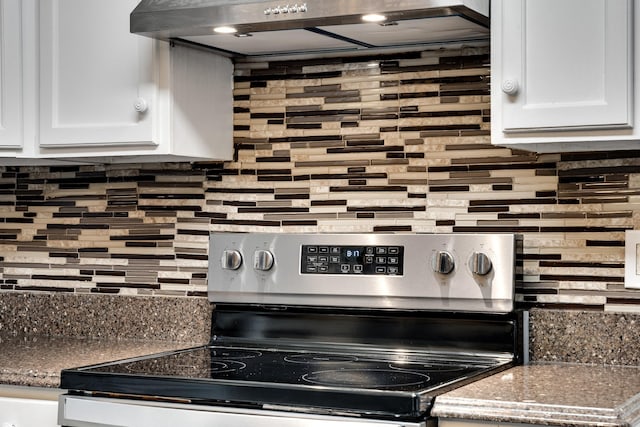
(450,336)
(433,272)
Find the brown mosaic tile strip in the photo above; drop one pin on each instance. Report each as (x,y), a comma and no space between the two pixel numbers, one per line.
(581,278)
(50,289)
(496,229)
(502,187)
(511,202)
(367,188)
(328,203)
(391,228)
(260,223)
(448,188)
(335,163)
(389,162)
(258,76)
(592,155)
(378,208)
(584,229)
(604,243)
(282,209)
(367,149)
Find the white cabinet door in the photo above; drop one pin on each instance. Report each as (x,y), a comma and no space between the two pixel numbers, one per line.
(563,64)
(11,101)
(97,81)
(17,412)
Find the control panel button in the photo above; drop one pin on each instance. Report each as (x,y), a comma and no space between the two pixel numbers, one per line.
(357,268)
(394,250)
(381,260)
(381,250)
(323,249)
(345,268)
(312,249)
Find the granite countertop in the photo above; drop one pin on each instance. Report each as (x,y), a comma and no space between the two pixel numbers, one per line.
(37,361)
(549,394)
(41,334)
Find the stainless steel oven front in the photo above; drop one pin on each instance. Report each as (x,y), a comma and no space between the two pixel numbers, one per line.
(322,329)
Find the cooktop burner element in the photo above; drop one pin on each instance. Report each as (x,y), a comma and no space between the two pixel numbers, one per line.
(225,367)
(367,378)
(233,354)
(368,327)
(317,358)
(426,367)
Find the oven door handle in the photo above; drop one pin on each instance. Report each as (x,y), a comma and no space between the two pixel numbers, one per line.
(85,411)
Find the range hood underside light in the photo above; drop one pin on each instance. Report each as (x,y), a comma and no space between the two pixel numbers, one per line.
(225,30)
(374,17)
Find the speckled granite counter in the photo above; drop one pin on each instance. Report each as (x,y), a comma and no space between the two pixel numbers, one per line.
(41,334)
(105,316)
(549,394)
(595,337)
(37,361)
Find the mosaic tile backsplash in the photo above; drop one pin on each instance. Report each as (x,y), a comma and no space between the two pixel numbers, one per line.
(396,144)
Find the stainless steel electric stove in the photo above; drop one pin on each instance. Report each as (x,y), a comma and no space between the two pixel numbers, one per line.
(322,329)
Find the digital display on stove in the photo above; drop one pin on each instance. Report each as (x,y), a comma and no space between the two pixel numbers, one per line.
(353,254)
(379,260)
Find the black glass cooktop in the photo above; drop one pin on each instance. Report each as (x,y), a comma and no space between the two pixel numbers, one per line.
(383,384)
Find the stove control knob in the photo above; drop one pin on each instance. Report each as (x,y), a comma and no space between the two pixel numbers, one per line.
(442,262)
(231,260)
(262,260)
(480,264)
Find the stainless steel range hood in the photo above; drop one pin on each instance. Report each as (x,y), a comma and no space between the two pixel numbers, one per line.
(311,27)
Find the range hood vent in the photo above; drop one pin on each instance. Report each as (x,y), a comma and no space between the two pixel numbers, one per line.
(250,28)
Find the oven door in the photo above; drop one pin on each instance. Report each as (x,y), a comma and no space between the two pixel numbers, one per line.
(84,411)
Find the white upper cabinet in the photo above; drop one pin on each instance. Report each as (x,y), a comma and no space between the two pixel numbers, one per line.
(11,104)
(97,80)
(77,86)
(563,74)
(109,95)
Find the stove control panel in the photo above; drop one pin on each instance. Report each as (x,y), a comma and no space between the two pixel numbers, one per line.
(358,260)
(461,272)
